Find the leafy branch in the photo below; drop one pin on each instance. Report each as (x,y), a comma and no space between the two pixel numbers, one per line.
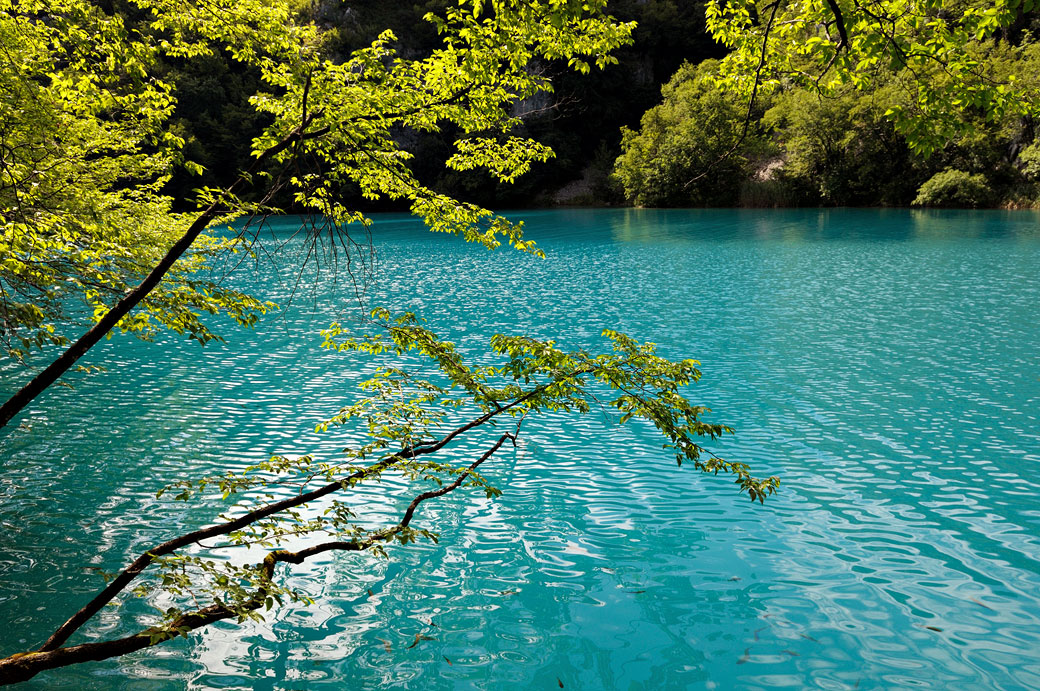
(87,147)
(405,421)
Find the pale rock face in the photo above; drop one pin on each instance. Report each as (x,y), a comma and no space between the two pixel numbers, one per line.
(768,171)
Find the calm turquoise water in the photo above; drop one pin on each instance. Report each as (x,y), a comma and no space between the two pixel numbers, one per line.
(885,364)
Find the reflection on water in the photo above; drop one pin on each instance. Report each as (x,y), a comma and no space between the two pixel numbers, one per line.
(884,363)
(801,225)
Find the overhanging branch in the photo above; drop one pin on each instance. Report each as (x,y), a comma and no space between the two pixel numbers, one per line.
(23,666)
(110,319)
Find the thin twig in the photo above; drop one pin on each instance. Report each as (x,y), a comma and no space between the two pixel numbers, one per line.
(751,101)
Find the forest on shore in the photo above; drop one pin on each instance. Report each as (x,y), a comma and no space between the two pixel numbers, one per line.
(653,131)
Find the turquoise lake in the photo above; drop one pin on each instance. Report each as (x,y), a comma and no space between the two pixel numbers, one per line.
(885,364)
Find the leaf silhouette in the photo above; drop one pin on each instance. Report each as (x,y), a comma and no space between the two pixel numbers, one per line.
(419,638)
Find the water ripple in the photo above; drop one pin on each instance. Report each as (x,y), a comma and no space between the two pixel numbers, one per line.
(884,363)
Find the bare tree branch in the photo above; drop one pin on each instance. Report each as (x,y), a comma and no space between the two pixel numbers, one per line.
(751,101)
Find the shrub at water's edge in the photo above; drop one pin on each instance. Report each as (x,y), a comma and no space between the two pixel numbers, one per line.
(694,126)
(956,189)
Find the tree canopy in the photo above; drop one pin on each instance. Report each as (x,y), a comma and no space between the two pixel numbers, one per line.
(88,146)
(697,127)
(856,103)
(85,153)
(932,48)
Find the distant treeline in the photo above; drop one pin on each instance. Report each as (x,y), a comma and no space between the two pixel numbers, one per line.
(805,150)
(618,142)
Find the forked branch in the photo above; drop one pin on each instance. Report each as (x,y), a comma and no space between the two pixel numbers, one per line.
(404,412)
(23,666)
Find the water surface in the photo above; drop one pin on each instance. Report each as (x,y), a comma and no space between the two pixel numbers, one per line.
(883,363)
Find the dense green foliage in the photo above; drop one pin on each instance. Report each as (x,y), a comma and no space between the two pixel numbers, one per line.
(694,127)
(955,188)
(864,119)
(90,139)
(84,155)
(839,151)
(934,49)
